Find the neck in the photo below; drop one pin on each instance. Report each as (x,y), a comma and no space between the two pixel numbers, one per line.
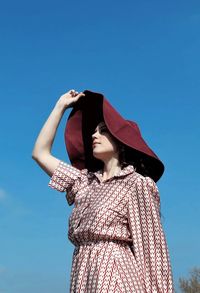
(111,167)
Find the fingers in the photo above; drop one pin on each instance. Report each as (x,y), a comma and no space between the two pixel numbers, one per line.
(74,93)
(78,96)
(81,94)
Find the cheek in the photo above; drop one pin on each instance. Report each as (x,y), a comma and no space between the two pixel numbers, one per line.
(112,145)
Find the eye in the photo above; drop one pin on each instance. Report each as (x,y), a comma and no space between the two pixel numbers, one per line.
(104,129)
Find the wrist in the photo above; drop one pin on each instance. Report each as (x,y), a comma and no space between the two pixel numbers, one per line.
(60,107)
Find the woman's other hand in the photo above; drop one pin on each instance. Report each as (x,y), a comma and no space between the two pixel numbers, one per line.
(68,99)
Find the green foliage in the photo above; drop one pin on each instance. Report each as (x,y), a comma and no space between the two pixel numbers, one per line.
(192,284)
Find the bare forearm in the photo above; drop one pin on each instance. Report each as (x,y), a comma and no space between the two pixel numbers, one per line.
(47,134)
(42,148)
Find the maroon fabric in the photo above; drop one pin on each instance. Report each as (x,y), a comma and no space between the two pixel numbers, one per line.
(82,121)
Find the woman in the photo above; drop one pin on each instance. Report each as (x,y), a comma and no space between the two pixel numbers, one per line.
(115,223)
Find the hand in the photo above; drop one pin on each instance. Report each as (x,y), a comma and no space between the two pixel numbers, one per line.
(68,99)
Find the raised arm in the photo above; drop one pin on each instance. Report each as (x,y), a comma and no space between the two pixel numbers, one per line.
(42,149)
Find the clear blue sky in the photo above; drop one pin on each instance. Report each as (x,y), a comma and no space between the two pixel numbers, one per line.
(145,57)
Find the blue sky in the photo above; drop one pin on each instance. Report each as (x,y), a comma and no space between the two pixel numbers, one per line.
(144,56)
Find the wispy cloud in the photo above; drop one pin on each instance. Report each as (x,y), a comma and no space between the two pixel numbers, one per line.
(3,278)
(2,194)
(12,205)
(2,269)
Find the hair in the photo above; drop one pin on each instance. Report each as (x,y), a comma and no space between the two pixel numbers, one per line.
(127,156)
(122,154)
(137,161)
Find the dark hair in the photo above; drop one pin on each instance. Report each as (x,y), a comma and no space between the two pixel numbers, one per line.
(122,155)
(129,156)
(136,160)
(137,163)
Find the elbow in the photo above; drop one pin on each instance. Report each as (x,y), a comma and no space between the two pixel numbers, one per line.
(34,157)
(39,156)
(34,154)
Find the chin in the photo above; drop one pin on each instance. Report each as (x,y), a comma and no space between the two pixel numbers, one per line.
(98,156)
(102,156)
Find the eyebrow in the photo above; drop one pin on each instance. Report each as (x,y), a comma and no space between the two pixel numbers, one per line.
(103,125)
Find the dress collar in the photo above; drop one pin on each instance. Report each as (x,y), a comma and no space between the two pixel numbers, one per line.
(125,171)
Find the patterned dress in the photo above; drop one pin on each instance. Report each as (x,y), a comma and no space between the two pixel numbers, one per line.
(115,226)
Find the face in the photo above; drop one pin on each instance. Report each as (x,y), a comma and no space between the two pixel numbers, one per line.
(104,145)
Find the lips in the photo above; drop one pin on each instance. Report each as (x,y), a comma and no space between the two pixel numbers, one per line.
(94,143)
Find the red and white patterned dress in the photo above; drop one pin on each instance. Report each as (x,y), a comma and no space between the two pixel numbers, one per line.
(115,226)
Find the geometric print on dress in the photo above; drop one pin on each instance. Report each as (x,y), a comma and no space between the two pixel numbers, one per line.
(115,227)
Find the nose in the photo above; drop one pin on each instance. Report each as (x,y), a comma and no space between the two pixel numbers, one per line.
(94,135)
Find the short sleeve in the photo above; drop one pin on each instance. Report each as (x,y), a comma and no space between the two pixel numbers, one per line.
(149,243)
(67,178)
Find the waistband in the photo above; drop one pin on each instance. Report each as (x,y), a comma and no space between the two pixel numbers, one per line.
(103,241)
